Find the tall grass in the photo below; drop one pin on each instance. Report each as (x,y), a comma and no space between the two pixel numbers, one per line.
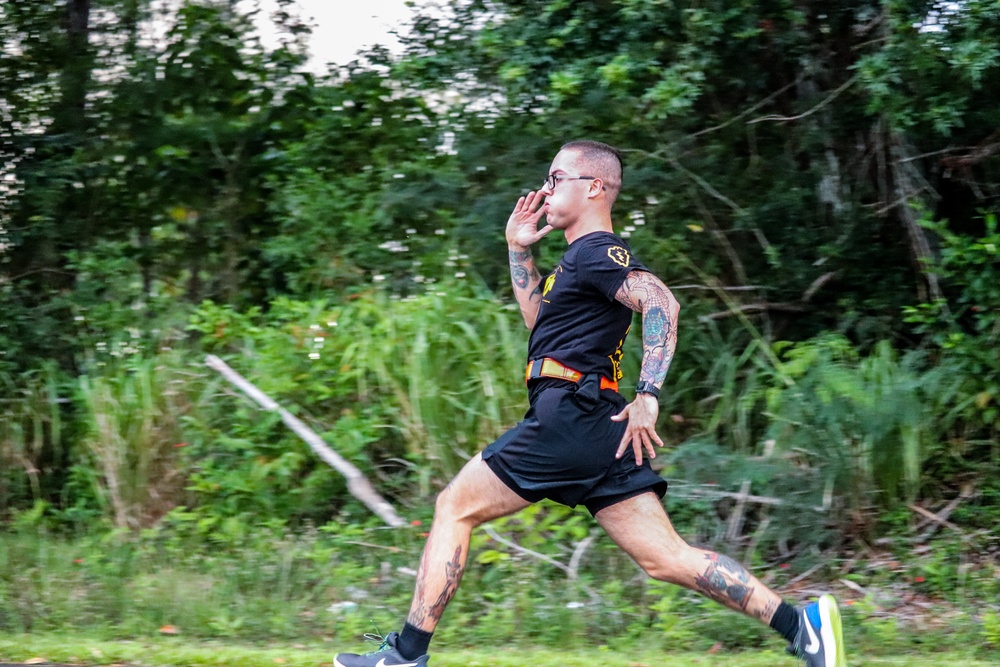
(452,365)
(865,421)
(427,380)
(31,432)
(132,432)
(331,584)
(720,378)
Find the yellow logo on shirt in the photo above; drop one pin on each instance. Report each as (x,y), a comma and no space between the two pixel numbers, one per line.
(550,282)
(619,256)
(616,357)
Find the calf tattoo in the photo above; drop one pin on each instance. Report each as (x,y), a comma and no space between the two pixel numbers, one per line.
(725,581)
(422,611)
(766,613)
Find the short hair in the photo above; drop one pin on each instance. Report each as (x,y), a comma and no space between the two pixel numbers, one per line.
(604,161)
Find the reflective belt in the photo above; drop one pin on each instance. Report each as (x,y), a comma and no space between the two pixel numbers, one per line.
(550,368)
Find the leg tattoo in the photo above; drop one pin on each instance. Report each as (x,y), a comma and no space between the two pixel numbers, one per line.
(766,613)
(725,581)
(422,612)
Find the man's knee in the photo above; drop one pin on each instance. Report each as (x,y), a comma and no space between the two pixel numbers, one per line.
(449,506)
(668,563)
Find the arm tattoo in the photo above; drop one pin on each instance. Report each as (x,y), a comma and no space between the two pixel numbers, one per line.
(519,276)
(522,268)
(523,273)
(643,292)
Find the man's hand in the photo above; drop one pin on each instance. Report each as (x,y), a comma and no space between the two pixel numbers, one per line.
(641,430)
(522,226)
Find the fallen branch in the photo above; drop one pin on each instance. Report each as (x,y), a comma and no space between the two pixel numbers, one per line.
(935,518)
(800,306)
(764,307)
(694,492)
(857,588)
(571,570)
(940,518)
(804,575)
(357,484)
(720,288)
(581,548)
(517,547)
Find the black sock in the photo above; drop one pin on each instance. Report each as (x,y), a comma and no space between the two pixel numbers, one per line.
(413,642)
(786,621)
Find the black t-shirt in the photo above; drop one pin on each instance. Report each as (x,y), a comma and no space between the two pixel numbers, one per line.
(579,322)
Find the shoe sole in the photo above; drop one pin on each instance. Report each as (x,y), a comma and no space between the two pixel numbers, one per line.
(832,632)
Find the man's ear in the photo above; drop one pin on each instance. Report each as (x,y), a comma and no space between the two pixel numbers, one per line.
(596,188)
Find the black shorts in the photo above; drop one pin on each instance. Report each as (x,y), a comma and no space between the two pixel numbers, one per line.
(564,450)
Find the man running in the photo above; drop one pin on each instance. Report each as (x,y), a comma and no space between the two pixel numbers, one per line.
(571,445)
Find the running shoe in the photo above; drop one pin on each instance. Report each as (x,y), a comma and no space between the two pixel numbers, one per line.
(385,656)
(820,640)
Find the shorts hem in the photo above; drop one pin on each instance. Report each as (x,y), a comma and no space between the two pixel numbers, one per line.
(659,488)
(509,480)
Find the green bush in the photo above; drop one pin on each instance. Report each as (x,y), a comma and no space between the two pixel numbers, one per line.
(863,421)
(964,328)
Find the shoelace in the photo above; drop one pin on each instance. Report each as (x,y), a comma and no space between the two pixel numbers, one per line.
(377,638)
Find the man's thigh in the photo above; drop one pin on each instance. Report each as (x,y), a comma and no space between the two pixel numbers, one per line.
(477,494)
(641,527)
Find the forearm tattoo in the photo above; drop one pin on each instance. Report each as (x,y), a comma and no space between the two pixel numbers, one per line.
(643,292)
(523,273)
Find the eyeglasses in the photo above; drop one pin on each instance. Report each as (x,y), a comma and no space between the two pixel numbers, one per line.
(553,180)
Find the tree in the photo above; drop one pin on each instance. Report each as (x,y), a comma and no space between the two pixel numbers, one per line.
(778,144)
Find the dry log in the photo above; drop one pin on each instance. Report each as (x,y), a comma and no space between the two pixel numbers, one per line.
(357,484)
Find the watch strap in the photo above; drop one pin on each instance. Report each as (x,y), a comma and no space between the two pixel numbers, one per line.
(647,388)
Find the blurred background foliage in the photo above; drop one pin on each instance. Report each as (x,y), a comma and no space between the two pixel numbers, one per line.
(818,183)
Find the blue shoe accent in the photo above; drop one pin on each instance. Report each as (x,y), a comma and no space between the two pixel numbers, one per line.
(812,613)
(820,639)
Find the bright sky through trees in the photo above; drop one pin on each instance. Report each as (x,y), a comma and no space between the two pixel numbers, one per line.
(341,28)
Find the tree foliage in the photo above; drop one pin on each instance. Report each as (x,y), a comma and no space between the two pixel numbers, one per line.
(799,172)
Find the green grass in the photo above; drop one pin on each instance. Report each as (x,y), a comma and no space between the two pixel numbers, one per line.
(177,651)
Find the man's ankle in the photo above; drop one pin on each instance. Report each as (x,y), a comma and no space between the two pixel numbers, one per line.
(413,642)
(786,621)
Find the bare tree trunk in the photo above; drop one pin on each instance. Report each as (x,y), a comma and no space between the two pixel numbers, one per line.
(75,76)
(906,190)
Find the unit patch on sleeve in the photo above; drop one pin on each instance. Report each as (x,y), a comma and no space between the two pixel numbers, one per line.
(619,256)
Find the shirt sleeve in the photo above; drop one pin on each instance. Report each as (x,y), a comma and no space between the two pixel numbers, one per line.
(607,263)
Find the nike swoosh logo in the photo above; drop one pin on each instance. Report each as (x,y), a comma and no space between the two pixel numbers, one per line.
(382,663)
(811,649)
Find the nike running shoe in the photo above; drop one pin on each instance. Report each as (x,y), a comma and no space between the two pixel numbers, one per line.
(385,656)
(820,640)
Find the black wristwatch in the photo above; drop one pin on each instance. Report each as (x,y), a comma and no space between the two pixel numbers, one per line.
(647,388)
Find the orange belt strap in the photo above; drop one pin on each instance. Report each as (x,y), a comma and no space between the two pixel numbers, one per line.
(550,368)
